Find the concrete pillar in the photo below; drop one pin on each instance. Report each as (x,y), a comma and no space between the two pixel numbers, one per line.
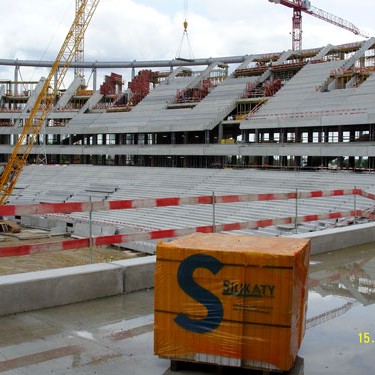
(94,158)
(94,78)
(298,139)
(320,136)
(371,162)
(339,162)
(245,135)
(220,133)
(340,134)
(310,138)
(206,137)
(16,79)
(256,136)
(372,133)
(297,135)
(351,162)
(285,136)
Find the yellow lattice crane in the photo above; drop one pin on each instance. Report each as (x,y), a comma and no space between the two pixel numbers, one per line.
(46,99)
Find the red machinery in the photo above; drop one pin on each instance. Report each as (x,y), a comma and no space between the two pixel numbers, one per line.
(305,6)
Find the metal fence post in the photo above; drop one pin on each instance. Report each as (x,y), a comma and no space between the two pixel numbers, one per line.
(355,206)
(90,232)
(213,213)
(296,213)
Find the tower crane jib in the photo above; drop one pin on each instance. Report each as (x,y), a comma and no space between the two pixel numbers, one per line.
(305,6)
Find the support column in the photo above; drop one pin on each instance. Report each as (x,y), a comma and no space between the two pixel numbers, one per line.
(16,79)
(372,133)
(94,158)
(298,139)
(94,78)
(351,162)
(220,133)
(256,136)
(310,138)
(206,137)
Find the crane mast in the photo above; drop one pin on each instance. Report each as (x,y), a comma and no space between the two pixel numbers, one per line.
(79,54)
(305,6)
(46,99)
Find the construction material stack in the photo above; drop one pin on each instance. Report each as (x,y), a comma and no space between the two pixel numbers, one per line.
(231,300)
(140,85)
(112,84)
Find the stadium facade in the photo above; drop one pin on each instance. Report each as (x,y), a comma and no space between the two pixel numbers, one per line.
(291,109)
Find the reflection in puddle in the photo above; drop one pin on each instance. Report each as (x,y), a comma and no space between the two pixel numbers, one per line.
(341,309)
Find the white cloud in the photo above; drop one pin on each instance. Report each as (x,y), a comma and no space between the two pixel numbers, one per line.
(126,30)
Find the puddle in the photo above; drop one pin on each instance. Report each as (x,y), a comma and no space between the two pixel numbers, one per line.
(340,335)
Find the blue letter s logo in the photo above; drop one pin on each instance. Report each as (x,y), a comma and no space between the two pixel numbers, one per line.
(189,286)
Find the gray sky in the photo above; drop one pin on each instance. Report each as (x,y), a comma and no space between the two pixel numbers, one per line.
(126,30)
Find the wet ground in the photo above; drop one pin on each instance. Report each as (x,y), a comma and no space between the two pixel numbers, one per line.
(115,335)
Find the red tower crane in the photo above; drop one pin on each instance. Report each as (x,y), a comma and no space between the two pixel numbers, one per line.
(305,6)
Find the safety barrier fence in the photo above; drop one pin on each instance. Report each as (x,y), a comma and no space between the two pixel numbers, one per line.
(50,208)
(167,233)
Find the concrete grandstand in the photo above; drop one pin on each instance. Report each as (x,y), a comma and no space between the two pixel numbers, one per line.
(291,109)
(79,183)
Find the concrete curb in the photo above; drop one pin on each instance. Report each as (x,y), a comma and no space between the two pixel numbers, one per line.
(43,289)
(340,238)
(138,273)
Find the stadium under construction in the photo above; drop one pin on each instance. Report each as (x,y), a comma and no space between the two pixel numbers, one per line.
(164,149)
(291,109)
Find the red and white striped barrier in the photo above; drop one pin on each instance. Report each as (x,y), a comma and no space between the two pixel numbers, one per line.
(367,195)
(52,208)
(167,233)
(354,270)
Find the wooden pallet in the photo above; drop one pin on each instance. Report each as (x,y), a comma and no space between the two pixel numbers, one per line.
(182,365)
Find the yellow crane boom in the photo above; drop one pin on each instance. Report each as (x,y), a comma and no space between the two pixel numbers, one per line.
(46,99)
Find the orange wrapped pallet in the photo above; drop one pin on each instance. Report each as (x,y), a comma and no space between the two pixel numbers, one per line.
(231,300)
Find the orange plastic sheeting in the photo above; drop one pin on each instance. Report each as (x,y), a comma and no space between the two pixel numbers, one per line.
(241,297)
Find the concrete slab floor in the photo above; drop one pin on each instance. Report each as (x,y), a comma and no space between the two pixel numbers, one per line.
(115,335)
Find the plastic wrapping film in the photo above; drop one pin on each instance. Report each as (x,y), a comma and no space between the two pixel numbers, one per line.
(235,300)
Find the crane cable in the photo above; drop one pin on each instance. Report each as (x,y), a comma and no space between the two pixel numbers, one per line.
(185,35)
